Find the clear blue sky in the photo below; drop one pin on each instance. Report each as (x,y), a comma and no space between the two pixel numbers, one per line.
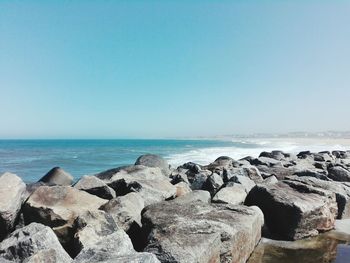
(120,69)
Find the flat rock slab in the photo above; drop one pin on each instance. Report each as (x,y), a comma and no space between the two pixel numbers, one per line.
(12,194)
(200,232)
(294,210)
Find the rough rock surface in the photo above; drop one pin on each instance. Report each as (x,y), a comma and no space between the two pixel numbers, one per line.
(95,186)
(182,188)
(31,240)
(294,210)
(12,194)
(234,194)
(200,232)
(338,173)
(152,160)
(126,210)
(149,182)
(57,176)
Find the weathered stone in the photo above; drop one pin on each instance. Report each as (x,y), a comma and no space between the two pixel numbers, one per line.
(199,180)
(95,186)
(149,182)
(30,240)
(338,173)
(312,173)
(294,210)
(58,207)
(96,257)
(213,183)
(152,160)
(57,176)
(194,196)
(234,195)
(279,172)
(245,181)
(200,232)
(182,188)
(340,189)
(277,155)
(48,256)
(12,194)
(270,180)
(246,170)
(126,210)
(265,161)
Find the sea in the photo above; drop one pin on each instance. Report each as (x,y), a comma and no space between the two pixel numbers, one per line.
(32,159)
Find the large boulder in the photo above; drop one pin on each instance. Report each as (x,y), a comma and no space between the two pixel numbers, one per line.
(200,232)
(246,170)
(12,194)
(99,257)
(149,182)
(152,160)
(233,194)
(338,173)
(95,186)
(58,207)
(294,210)
(57,176)
(31,242)
(213,183)
(340,189)
(126,210)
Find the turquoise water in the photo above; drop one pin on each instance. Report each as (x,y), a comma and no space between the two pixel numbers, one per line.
(31,159)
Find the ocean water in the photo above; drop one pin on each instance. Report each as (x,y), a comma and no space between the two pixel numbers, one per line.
(31,159)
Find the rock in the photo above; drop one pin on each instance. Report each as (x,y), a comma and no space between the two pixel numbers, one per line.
(49,256)
(200,232)
(304,154)
(338,173)
(246,170)
(271,180)
(182,188)
(58,207)
(277,155)
(265,161)
(340,189)
(111,258)
(279,172)
(198,181)
(246,182)
(126,210)
(97,231)
(12,194)
(191,167)
(152,160)
(57,176)
(294,210)
(221,164)
(194,196)
(95,186)
(341,154)
(33,240)
(311,173)
(149,182)
(178,176)
(234,195)
(213,183)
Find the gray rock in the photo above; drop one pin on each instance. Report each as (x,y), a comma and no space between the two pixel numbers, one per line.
(270,180)
(340,189)
(213,183)
(246,170)
(265,161)
(48,256)
(200,232)
(246,182)
(57,176)
(277,155)
(294,210)
(312,173)
(198,180)
(182,188)
(95,186)
(194,196)
(338,173)
(149,182)
(126,210)
(91,257)
(234,195)
(12,194)
(32,241)
(58,207)
(152,160)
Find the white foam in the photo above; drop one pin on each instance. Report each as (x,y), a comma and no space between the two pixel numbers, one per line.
(207,155)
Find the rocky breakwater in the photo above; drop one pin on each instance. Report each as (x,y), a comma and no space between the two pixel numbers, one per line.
(151,212)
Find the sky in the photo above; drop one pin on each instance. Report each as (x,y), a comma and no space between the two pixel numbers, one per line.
(160,69)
